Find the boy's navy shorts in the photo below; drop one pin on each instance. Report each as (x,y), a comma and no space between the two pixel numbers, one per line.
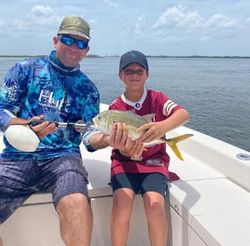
(141,182)
(20,179)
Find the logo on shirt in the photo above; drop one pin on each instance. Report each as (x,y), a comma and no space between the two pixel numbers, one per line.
(137,105)
(46,99)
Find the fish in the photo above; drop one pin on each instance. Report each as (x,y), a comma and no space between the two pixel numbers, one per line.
(104,121)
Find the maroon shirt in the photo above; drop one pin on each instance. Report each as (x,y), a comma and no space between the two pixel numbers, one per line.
(155,158)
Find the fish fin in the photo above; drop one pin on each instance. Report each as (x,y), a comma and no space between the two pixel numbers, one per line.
(180,138)
(149,117)
(175,149)
(173,141)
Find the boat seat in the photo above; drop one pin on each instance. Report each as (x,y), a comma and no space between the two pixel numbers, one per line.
(206,204)
(209,205)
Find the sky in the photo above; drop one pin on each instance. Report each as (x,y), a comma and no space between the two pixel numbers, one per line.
(155,27)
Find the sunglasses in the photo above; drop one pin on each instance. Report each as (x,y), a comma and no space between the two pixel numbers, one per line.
(68,40)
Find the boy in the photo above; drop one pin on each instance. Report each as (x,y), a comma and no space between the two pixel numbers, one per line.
(149,174)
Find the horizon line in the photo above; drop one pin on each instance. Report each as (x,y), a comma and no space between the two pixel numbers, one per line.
(152,56)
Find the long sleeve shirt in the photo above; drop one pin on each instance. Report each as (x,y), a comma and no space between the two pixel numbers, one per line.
(37,86)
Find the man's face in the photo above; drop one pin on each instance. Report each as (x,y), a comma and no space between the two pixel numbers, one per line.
(134,76)
(69,54)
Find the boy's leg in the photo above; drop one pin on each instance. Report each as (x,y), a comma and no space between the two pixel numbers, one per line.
(154,191)
(123,199)
(124,188)
(154,204)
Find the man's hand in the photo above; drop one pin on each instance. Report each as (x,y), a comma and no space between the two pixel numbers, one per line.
(44,128)
(121,140)
(119,136)
(41,130)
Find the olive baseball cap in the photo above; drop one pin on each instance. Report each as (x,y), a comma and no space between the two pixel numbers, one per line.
(133,56)
(74,25)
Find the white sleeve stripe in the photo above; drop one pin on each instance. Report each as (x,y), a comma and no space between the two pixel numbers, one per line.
(168,107)
(168,102)
(171,108)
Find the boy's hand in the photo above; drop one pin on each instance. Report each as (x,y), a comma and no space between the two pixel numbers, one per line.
(153,130)
(132,148)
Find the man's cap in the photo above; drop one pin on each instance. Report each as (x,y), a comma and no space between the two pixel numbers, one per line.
(133,56)
(74,25)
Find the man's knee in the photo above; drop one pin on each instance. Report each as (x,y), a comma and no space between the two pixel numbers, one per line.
(75,202)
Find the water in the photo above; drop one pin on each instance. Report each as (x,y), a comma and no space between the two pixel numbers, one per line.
(216,92)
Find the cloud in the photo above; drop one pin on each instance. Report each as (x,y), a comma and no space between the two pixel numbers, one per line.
(19,24)
(138,25)
(43,15)
(178,17)
(181,24)
(111,3)
(42,11)
(221,21)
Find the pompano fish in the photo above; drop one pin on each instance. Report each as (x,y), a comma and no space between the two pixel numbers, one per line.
(104,121)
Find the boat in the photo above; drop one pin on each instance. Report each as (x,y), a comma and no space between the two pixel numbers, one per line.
(208,206)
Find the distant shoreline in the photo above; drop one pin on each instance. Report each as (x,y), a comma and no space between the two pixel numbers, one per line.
(150,56)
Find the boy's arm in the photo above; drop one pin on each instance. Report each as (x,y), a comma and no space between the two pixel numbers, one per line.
(178,118)
(156,130)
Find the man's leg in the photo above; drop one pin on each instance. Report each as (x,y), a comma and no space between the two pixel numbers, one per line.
(122,207)
(66,178)
(76,220)
(16,180)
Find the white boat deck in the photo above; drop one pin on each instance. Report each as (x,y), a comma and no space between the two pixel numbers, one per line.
(208,206)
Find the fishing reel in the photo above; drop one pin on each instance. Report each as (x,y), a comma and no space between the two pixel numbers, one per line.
(23,138)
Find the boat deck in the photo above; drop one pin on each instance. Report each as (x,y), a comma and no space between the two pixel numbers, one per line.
(208,206)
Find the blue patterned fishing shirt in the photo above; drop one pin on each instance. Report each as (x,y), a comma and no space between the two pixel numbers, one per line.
(45,86)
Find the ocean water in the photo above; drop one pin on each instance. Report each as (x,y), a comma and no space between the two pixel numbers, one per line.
(216,91)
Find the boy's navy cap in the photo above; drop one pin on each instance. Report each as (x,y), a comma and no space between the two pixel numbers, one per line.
(133,56)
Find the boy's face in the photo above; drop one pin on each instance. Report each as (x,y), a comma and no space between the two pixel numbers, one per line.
(134,76)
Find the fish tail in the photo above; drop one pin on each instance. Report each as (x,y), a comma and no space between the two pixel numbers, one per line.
(173,141)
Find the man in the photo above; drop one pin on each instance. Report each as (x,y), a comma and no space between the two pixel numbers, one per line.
(53,89)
